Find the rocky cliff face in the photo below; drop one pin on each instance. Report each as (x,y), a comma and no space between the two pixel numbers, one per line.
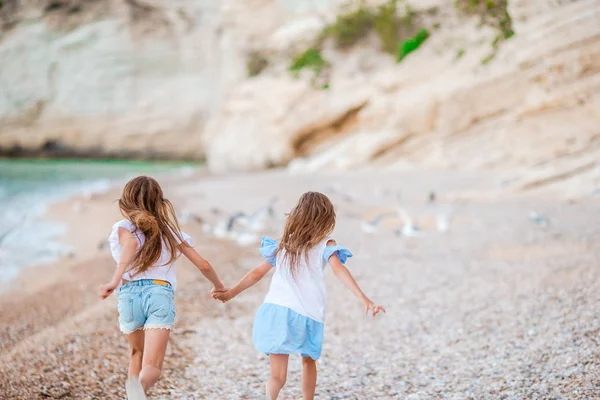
(169,78)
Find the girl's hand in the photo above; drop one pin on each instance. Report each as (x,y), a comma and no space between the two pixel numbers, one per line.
(223,296)
(373,308)
(106,290)
(217,290)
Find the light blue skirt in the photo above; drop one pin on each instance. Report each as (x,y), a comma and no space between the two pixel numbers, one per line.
(279,330)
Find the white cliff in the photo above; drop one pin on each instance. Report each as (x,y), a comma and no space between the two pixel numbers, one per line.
(169,78)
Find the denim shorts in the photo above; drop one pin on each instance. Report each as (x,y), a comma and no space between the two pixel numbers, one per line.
(144,304)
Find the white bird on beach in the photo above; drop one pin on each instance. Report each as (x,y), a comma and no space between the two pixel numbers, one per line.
(223,229)
(256,221)
(539,219)
(442,218)
(408,228)
(442,222)
(373,225)
(246,239)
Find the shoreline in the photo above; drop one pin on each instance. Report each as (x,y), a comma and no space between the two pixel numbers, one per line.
(486,300)
(58,152)
(55,305)
(67,197)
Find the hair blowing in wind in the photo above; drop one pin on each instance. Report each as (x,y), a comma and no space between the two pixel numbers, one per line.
(309,222)
(142,202)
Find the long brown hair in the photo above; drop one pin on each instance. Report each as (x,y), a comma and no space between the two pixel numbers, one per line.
(142,202)
(309,222)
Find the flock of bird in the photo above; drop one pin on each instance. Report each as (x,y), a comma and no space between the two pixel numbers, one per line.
(246,228)
(408,227)
(243,228)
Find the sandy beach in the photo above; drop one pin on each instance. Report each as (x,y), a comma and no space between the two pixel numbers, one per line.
(502,305)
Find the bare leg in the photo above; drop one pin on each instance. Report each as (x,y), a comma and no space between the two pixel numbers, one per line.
(136,346)
(279,365)
(309,378)
(136,352)
(155,346)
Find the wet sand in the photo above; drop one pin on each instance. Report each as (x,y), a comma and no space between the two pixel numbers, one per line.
(500,306)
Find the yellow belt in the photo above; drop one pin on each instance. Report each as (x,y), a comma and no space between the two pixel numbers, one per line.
(160,282)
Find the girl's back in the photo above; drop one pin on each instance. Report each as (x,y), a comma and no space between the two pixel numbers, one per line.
(145,245)
(162,268)
(291,319)
(304,291)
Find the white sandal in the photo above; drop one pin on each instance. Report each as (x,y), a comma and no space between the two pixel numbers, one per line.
(134,389)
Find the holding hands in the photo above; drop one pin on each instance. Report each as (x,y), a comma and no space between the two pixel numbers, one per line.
(220,294)
(224,295)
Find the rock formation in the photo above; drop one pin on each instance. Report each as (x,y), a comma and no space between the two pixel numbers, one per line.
(168,79)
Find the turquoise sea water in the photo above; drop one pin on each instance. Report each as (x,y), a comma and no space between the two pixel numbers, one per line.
(27,187)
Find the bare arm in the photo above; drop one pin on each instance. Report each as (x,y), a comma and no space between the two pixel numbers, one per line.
(129,246)
(342,273)
(204,266)
(247,281)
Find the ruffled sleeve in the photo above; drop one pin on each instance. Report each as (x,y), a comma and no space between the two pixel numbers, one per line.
(342,253)
(114,234)
(113,239)
(268,248)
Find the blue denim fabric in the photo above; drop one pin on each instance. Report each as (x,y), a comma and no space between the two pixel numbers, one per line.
(144,304)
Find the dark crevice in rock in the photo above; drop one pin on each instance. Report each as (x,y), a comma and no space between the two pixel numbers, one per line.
(402,139)
(559,176)
(66,15)
(305,141)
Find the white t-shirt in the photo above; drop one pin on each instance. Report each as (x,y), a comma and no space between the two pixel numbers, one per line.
(304,293)
(160,270)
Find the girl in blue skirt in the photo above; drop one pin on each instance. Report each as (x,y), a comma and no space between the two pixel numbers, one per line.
(290,321)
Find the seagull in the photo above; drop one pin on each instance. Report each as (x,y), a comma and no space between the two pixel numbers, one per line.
(198,218)
(373,225)
(246,239)
(408,228)
(231,220)
(432,197)
(256,221)
(223,229)
(539,219)
(219,230)
(442,222)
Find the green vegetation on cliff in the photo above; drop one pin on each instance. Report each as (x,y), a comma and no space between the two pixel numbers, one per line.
(256,63)
(391,25)
(400,32)
(311,59)
(492,12)
(412,44)
(399,29)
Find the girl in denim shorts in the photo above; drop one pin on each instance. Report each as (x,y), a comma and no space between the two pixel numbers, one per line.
(145,245)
